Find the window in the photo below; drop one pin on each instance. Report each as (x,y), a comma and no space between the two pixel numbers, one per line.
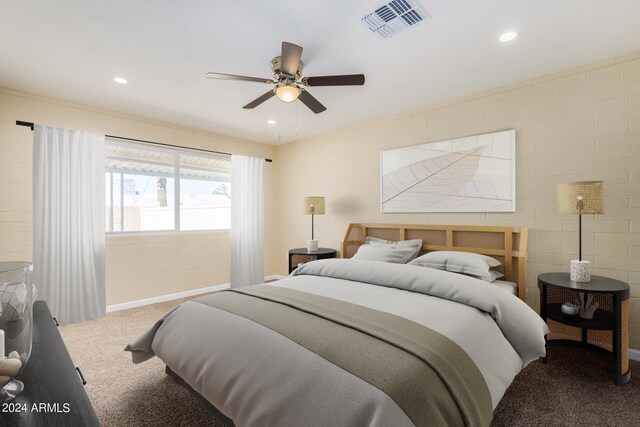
(144,193)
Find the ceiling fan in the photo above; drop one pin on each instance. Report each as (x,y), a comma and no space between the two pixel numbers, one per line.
(287,76)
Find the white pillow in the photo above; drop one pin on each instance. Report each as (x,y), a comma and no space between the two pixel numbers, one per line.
(492,277)
(415,243)
(401,252)
(458,262)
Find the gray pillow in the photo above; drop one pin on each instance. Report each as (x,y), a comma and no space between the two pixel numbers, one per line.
(492,277)
(400,252)
(459,262)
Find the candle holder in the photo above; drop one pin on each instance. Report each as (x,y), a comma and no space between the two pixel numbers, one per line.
(16,325)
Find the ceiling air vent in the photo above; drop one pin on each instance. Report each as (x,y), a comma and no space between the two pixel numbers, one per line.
(393,17)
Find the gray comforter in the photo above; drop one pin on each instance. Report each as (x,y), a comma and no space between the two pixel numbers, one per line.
(256,376)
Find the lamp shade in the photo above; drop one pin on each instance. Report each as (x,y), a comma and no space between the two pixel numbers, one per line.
(287,92)
(582,197)
(314,205)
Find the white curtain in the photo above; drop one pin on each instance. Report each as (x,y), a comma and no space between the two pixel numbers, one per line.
(247,220)
(69,222)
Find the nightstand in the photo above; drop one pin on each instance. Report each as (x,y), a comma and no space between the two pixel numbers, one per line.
(608,331)
(302,255)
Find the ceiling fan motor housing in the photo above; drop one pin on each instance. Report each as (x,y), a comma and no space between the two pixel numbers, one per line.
(275,67)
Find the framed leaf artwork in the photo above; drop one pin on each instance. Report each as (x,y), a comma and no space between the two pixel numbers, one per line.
(470,174)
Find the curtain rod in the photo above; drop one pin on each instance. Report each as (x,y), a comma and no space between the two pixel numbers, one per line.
(30,125)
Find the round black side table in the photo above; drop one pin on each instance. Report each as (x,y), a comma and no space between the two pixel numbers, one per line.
(302,255)
(608,331)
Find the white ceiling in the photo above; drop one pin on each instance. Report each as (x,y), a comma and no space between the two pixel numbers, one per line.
(71,49)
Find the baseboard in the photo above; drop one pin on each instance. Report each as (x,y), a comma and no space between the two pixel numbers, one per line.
(164,298)
(178,295)
(634,354)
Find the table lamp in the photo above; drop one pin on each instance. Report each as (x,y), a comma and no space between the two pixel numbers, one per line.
(313,206)
(582,197)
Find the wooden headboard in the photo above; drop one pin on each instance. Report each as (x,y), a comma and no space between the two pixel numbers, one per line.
(507,244)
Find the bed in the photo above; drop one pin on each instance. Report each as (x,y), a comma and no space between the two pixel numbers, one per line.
(348,342)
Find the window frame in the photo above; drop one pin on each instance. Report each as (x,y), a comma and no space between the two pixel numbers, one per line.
(175,152)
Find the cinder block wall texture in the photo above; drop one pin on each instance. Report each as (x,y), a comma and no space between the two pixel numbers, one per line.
(583,124)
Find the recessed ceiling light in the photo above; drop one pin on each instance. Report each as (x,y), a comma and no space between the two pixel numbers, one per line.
(271,122)
(120,80)
(508,36)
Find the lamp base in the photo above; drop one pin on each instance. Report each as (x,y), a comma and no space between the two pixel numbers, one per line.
(312,245)
(580,271)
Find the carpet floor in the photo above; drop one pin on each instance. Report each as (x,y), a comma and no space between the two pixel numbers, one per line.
(124,394)
(573,388)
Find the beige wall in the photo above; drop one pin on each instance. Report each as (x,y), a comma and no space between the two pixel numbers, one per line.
(136,267)
(579,125)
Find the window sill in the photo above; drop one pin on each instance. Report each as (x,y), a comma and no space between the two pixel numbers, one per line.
(164,232)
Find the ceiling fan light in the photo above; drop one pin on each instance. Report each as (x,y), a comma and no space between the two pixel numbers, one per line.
(287,92)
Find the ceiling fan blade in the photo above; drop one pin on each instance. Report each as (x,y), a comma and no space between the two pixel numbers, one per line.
(343,80)
(259,100)
(290,58)
(224,76)
(308,100)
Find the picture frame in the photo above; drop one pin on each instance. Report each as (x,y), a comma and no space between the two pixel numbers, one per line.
(469,174)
